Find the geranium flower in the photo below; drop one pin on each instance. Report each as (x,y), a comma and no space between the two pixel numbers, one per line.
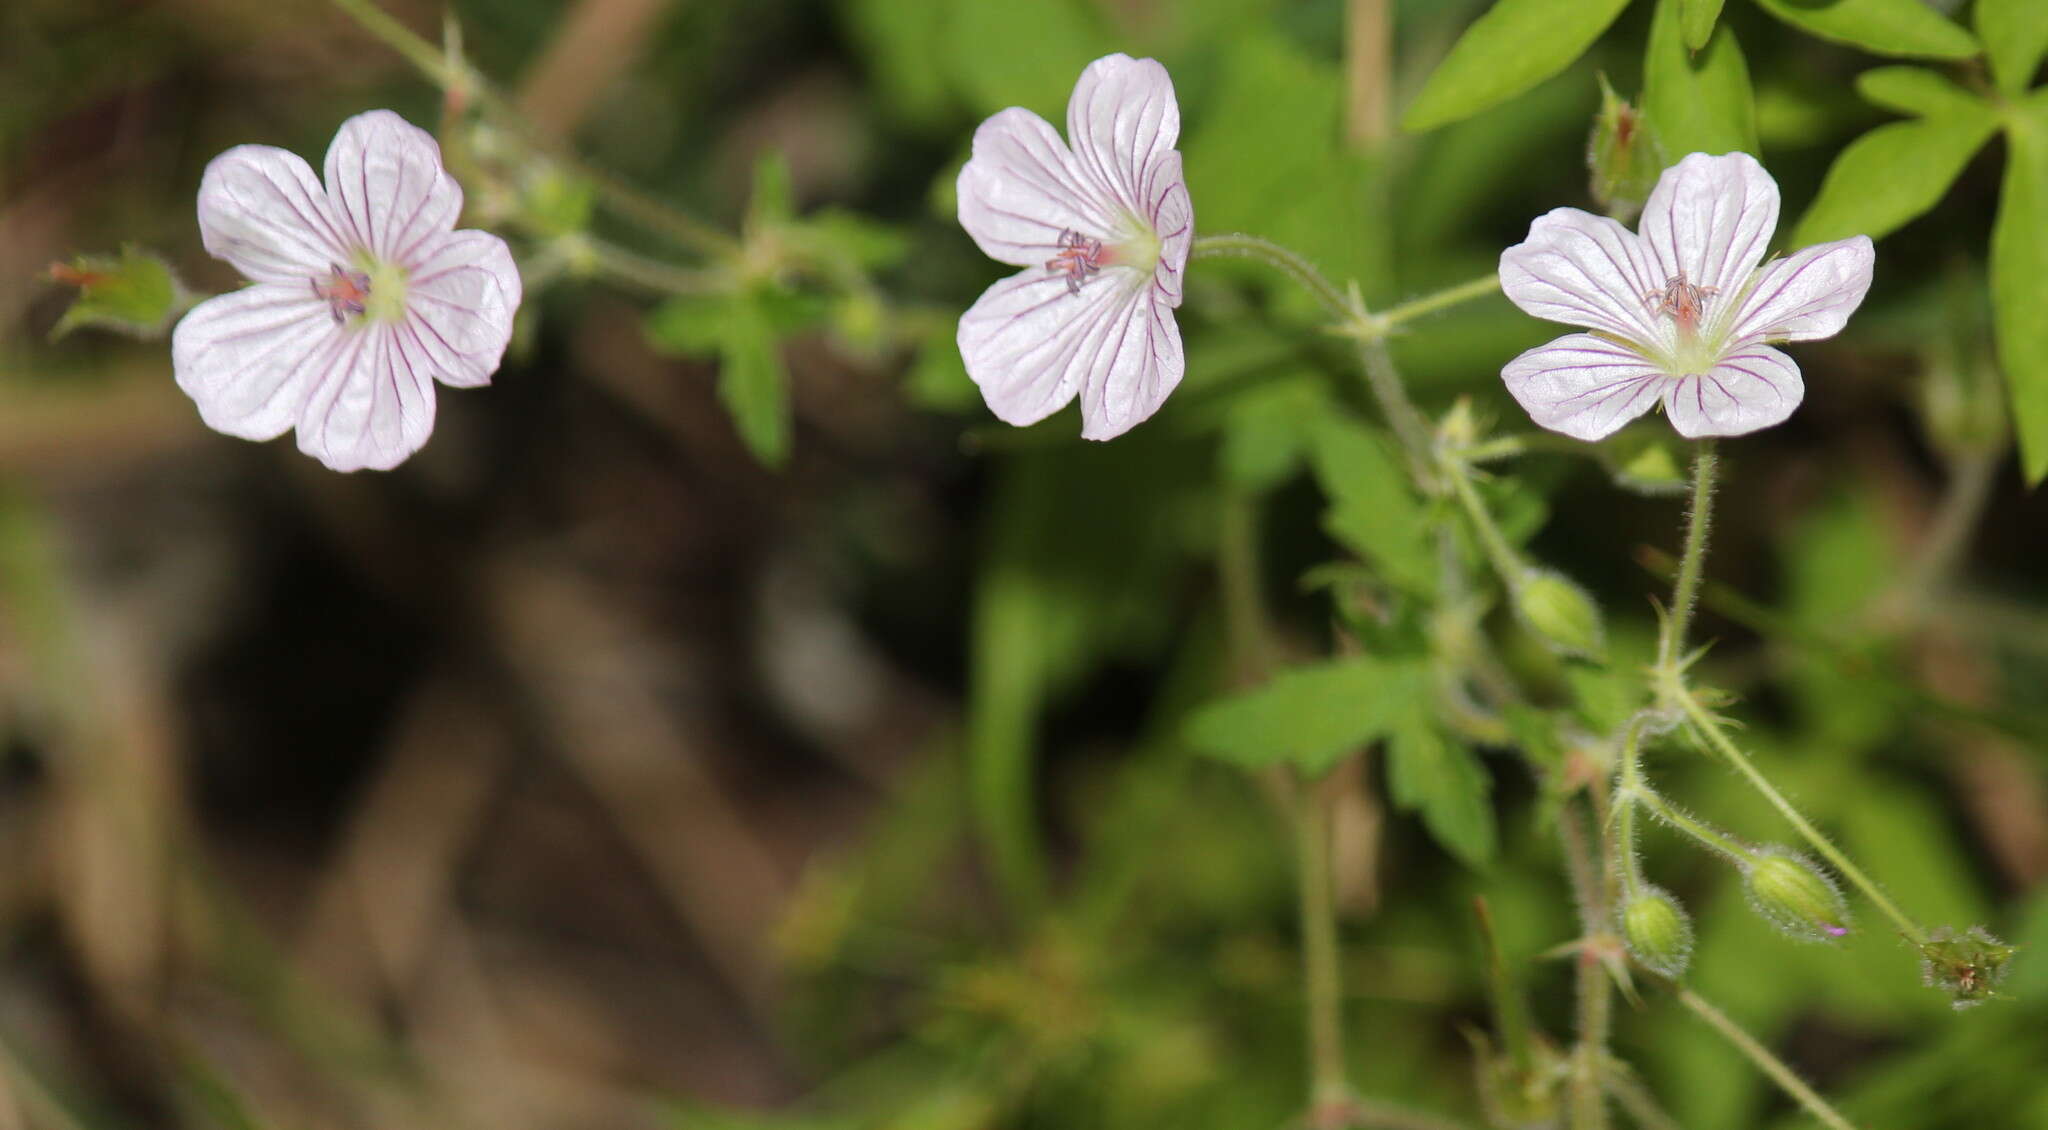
(363,296)
(1679,314)
(1102,231)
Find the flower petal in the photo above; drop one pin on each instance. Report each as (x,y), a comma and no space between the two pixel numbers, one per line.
(261,209)
(1173,217)
(370,407)
(1754,387)
(1022,188)
(459,307)
(1585,270)
(388,186)
(1584,386)
(1809,294)
(1032,346)
(1121,115)
(246,357)
(1709,221)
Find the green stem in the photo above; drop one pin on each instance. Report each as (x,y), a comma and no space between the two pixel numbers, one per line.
(1253,652)
(1369,1114)
(1769,1064)
(1636,1099)
(1240,246)
(650,274)
(1323,985)
(1710,730)
(1408,423)
(1502,555)
(1595,1002)
(1431,303)
(1699,830)
(1685,593)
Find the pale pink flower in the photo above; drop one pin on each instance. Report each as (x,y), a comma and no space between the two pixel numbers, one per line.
(1679,314)
(1102,231)
(362,296)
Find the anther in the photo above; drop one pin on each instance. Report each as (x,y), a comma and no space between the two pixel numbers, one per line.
(1079,258)
(346,292)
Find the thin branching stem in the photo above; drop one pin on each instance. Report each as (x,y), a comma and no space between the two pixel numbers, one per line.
(1766,1062)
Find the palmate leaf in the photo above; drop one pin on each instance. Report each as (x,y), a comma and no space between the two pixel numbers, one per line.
(1372,512)
(1514,46)
(1906,28)
(1696,102)
(1896,172)
(2019,279)
(2015,35)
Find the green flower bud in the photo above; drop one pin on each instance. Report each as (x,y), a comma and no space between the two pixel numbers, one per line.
(1561,613)
(1967,966)
(1795,896)
(1624,158)
(1657,930)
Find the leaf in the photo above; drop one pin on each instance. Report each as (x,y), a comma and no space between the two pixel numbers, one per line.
(133,293)
(1310,717)
(1514,46)
(2019,281)
(1427,772)
(2015,36)
(1371,510)
(752,383)
(1885,27)
(901,38)
(1696,103)
(1917,91)
(1025,55)
(1699,21)
(1891,175)
(1268,431)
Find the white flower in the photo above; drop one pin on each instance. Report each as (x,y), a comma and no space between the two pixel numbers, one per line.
(1679,313)
(363,296)
(1102,231)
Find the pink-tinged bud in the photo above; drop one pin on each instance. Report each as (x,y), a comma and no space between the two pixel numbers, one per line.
(1624,158)
(1657,930)
(1968,966)
(1796,896)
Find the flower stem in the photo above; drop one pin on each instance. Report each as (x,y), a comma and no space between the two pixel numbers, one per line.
(1677,818)
(1431,303)
(1769,1064)
(649,274)
(1323,986)
(1237,245)
(1502,555)
(1685,593)
(1595,1003)
(1710,731)
(1408,423)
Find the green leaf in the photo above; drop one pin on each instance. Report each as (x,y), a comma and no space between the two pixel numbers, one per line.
(1917,91)
(1696,102)
(132,293)
(901,38)
(1906,28)
(1371,509)
(1311,717)
(1699,21)
(1891,175)
(1427,772)
(1514,46)
(2019,281)
(1025,55)
(1268,431)
(2015,36)
(689,326)
(752,382)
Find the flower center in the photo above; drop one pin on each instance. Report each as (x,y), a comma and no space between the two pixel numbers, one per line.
(1685,303)
(372,291)
(1079,259)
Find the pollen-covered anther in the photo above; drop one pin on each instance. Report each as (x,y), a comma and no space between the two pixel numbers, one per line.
(346,292)
(1079,258)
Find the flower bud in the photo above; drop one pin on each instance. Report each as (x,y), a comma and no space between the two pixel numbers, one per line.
(1657,930)
(1796,896)
(1967,966)
(1561,613)
(1624,158)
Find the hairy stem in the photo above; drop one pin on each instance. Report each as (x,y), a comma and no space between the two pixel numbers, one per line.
(1769,1064)
(1237,245)
(1431,303)
(1685,592)
(1503,557)
(1323,986)
(1709,729)
(1595,1002)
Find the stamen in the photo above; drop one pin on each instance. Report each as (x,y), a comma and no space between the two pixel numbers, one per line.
(1079,258)
(346,292)
(1682,301)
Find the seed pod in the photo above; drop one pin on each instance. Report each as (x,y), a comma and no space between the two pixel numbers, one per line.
(1657,930)
(1795,896)
(1967,966)
(1561,613)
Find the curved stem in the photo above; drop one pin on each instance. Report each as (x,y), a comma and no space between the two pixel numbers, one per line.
(1769,1064)
(1710,730)
(1238,245)
(1698,829)
(1685,593)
